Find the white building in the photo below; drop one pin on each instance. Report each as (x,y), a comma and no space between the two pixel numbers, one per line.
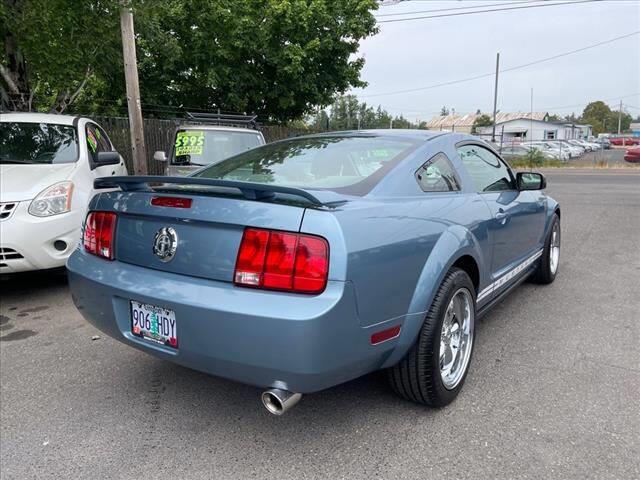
(529,130)
(465,123)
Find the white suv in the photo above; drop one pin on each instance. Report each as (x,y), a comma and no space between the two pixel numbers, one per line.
(198,145)
(47,167)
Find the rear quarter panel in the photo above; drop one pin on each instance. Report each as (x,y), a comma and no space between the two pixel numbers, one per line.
(396,252)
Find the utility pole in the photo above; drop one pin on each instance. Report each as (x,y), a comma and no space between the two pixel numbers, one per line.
(495,99)
(620,118)
(531,118)
(133,90)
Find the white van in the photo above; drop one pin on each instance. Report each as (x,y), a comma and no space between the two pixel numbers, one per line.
(47,167)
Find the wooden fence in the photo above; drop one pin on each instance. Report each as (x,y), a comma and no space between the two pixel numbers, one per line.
(158,135)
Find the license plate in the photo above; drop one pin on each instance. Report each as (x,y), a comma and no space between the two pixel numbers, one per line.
(155,324)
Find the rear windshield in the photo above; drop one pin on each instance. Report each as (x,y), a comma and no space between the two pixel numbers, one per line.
(205,147)
(348,164)
(37,143)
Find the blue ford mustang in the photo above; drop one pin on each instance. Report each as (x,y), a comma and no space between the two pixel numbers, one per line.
(311,261)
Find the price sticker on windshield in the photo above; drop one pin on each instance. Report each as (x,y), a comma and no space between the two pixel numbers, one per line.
(189,142)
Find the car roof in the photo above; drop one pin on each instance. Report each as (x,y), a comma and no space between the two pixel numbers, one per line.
(419,135)
(30,117)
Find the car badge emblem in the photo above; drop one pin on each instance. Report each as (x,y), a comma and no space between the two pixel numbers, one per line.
(165,244)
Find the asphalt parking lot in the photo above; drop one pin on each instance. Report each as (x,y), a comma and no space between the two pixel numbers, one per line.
(553,389)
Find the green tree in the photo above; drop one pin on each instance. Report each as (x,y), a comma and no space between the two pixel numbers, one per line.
(572,118)
(275,58)
(401,122)
(444,111)
(598,115)
(366,116)
(383,119)
(344,113)
(482,121)
(320,120)
(54,49)
(625,122)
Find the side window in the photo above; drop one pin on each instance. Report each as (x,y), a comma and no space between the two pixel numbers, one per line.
(438,175)
(488,172)
(97,140)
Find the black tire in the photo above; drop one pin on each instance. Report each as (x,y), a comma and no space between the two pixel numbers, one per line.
(417,376)
(544,273)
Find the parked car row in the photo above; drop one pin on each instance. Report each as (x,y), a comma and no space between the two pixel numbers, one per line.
(562,150)
(624,141)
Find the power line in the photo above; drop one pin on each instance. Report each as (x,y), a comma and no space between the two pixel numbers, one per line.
(582,104)
(571,52)
(450,9)
(488,11)
(485,75)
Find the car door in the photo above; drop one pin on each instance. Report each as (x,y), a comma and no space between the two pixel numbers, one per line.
(518,216)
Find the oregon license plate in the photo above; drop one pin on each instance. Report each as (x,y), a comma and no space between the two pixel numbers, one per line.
(155,324)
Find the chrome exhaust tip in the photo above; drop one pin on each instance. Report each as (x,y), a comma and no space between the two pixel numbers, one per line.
(278,401)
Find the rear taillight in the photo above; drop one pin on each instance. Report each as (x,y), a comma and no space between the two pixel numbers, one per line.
(276,260)
(99,232)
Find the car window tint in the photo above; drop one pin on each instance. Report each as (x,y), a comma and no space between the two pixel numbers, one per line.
(488,172)
(350,164)
(438,175)
(97,140)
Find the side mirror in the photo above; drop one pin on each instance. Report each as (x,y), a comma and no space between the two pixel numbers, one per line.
(160,156)
(531,181)
(107,158)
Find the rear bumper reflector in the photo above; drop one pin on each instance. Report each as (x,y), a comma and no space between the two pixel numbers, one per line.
(384,335)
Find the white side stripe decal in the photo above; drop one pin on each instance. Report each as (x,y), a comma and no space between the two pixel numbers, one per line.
(509,275)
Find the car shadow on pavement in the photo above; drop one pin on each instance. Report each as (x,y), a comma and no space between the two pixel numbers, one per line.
(27,283)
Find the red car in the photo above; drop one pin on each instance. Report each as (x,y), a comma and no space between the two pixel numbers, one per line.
(633,155)
(624,141)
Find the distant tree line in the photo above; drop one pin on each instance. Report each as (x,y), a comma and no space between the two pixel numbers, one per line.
(347,113)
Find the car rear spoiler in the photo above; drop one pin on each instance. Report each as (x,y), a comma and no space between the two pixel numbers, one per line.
(251,191)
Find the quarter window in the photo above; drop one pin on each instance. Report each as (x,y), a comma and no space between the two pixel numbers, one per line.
(437,175)
(488,172)
(97,140)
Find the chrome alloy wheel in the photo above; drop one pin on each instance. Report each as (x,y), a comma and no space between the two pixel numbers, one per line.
(456,338)
(554,249)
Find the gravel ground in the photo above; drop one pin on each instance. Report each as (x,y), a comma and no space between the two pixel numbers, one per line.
(552,392)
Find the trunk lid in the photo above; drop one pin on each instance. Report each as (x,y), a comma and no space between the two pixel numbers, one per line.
(208,233)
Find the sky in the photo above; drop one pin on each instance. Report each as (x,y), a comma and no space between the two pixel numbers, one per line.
(413,54)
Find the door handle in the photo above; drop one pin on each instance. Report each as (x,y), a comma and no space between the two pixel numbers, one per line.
(501,216)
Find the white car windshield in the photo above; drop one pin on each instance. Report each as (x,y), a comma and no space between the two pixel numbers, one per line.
(37,143)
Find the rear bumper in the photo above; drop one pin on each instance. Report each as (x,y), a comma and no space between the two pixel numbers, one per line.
(27,242)
(295,342)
